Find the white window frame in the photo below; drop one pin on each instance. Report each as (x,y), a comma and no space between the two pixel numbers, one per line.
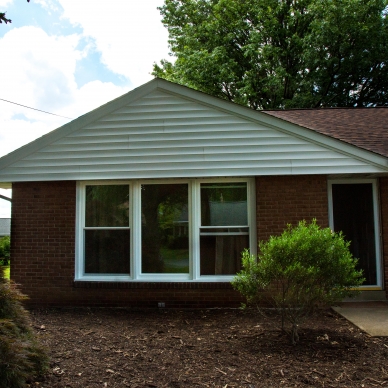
(80,227)
(376,215)
(135,275)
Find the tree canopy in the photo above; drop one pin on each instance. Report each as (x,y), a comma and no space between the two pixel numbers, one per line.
(271,54)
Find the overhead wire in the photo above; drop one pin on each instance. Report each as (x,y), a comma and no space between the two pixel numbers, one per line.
(39,110)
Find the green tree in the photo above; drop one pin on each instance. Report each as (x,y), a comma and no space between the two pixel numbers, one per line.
(304,268)
(5,249)
(280,53)
(4,19)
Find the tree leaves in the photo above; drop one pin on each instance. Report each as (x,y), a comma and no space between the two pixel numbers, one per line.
(279,54)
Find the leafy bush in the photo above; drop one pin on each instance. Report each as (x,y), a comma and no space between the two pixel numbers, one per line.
(304,268)
(21,357)
(5,243)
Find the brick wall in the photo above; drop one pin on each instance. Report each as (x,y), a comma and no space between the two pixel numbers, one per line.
(384,227)
(283,200)
(43,252)
(43,244)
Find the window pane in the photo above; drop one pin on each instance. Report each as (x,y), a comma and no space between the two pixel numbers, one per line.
(165,228)
(107,205)
(221,255)
(107,251)
(224,204)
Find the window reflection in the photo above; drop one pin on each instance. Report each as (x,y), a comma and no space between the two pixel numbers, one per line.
(165,228)
(107,233)
(223,204)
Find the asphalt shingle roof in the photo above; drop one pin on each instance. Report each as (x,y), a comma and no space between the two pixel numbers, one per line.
(363,127)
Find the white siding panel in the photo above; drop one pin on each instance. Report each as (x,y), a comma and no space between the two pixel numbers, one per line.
(322,158)
(162,135)
(277,150)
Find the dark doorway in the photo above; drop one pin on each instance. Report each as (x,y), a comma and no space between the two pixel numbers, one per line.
(353,214)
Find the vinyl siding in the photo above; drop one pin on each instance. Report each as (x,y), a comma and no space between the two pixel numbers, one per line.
(165,135)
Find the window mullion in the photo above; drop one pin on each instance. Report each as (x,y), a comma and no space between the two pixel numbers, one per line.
(252,216)
(195,228)
(136,230)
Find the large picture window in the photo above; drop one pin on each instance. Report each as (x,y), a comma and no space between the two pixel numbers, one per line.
(164,230)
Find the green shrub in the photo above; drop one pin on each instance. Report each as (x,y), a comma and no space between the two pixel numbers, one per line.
(304,268)
(5,244)
(21,356)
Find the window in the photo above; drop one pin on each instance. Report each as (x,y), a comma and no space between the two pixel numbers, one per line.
(106,231)
(224,231)
(163,230)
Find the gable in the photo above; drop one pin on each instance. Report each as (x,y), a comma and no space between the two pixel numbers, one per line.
(163,130)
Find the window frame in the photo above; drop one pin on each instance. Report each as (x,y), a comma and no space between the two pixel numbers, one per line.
(80,228)
(194,206)
(376,216)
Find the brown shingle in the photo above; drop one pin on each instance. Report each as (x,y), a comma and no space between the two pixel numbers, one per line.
(363,127)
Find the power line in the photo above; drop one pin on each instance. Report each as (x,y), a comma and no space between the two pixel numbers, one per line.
(28,107)
(6,198)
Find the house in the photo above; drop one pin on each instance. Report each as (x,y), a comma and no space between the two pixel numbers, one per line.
(5,227)
(152,197)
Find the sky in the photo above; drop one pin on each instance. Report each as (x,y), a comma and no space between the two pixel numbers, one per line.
(68,57)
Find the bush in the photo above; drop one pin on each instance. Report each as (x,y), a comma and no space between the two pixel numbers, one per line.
(5,243)
(21,357)
(304,268)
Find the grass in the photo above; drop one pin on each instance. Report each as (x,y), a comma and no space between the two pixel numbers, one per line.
(6,271)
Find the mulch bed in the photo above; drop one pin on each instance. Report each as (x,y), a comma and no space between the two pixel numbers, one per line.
(204,348)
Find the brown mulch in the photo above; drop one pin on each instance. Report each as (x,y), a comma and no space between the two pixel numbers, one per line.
(204,348)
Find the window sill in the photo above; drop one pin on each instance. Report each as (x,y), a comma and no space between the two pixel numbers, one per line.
(152,285)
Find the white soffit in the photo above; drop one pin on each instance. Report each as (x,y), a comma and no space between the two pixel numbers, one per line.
(163,130)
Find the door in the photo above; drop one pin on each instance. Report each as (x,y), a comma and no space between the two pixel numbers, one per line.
(354,213)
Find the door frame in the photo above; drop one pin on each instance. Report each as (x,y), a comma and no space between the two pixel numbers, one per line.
(376,216)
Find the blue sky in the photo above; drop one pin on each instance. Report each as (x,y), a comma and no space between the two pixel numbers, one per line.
(68,57)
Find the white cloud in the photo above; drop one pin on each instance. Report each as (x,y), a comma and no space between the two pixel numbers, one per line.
(48,5)
(5,3)
(39,72)
(129,34)
(39,69)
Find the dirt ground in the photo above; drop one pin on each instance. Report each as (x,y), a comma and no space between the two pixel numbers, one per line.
(204,348)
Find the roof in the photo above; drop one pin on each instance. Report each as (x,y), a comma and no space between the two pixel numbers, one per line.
(165,130)
(363,127)
(5,227)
